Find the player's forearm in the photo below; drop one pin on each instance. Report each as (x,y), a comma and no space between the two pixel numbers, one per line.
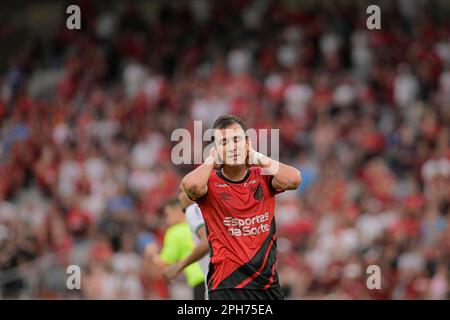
(285,177)
(195,182)
(199,252)
(158,265)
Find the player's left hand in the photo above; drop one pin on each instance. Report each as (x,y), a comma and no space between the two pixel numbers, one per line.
(252,155)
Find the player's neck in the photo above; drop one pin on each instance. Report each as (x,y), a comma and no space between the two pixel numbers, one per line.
(235,173)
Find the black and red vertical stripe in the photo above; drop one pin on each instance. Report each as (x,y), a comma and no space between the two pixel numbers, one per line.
(257,273)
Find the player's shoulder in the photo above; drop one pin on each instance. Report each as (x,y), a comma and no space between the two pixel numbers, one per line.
(193,210)
(255,170)
(214,175)
(215,180)
(255,173)
(194,217)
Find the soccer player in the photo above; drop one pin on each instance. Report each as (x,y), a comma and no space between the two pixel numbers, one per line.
(178,244)
(237,202)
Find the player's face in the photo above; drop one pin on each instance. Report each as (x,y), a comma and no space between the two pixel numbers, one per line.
(231,145)
(172,214)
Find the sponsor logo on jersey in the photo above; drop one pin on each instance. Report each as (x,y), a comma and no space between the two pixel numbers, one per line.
(220,185)
(251,226)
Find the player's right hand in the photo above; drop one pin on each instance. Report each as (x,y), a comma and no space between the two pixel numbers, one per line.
(171,272)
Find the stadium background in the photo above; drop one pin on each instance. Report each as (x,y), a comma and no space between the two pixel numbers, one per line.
(86,118)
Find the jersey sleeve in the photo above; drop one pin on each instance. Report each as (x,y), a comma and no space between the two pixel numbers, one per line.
(170,253)
(268,180)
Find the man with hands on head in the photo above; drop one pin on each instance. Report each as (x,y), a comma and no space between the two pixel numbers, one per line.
(238,204)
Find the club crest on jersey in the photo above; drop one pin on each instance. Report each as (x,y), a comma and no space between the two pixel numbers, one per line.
(225,196)
(258,192)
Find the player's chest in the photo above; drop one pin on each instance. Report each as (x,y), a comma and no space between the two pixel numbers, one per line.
(241,198)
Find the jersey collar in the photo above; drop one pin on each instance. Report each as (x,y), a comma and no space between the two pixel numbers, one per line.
(221,175)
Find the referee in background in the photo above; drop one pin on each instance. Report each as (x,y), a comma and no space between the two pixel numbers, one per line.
(177,245)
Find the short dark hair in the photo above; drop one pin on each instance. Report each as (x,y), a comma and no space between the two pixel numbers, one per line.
(172,203)
(226,120)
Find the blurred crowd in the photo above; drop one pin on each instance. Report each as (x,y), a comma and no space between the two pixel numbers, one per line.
(85,152)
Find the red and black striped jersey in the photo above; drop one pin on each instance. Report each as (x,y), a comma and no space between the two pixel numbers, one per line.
(241,230)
